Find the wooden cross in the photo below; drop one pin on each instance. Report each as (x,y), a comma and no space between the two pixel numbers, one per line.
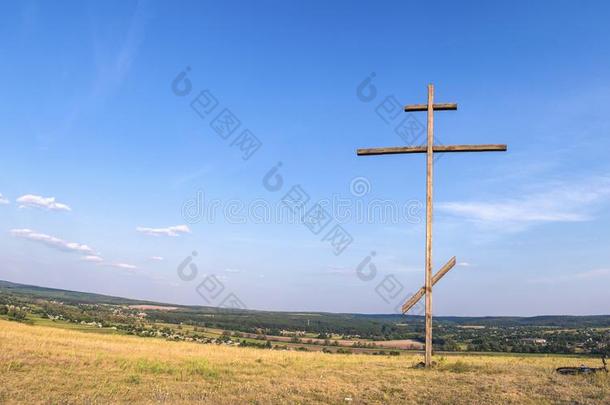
(429,150)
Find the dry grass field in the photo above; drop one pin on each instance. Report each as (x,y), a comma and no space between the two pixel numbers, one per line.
(50,365)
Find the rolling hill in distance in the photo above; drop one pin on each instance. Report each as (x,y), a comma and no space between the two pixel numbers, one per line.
(287,318)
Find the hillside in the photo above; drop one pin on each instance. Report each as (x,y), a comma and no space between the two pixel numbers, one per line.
(50,365)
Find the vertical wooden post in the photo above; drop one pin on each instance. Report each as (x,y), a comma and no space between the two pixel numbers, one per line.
(429,173)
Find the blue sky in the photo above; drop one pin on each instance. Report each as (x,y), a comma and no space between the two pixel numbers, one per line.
(103,152)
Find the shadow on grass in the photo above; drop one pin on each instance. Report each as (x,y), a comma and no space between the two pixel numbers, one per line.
(458,367)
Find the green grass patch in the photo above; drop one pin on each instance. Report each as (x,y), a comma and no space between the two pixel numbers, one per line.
(201,368)
(147,366)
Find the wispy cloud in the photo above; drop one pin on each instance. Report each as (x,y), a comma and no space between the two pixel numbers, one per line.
(52,241)
(157,258)
(232,271)
(113,70)
(557,202)
(583,275)
(3,200)
(93,259)
(124,266)
(169,231)
(113,61)
(101,262)
(37,201)
(338,271)
(89,255)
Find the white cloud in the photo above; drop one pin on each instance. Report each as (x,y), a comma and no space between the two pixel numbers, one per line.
(52,241)
(93,259)
(157,258)
(101,262)
(121,266)
(596,273)
(49,203)
(169,231)
(464,264)
(56,243)
(3,200)
(558,202)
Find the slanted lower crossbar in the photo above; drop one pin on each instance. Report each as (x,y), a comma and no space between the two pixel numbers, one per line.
(422,291)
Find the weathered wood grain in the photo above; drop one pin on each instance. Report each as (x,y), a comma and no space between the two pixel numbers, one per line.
(395,150)
(429,189)
(436,107)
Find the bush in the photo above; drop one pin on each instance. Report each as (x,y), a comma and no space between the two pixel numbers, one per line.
(16,313)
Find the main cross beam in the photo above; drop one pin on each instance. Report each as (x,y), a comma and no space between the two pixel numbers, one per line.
(395,150)
(429,149)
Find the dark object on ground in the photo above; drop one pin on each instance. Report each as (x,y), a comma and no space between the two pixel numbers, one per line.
(583,369)
(421,364)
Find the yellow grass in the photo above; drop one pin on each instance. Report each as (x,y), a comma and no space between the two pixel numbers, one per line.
(50,365)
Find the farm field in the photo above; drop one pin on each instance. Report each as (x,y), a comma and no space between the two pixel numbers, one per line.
(39,364)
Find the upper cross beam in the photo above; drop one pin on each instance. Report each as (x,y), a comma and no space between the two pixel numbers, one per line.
(436,107)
